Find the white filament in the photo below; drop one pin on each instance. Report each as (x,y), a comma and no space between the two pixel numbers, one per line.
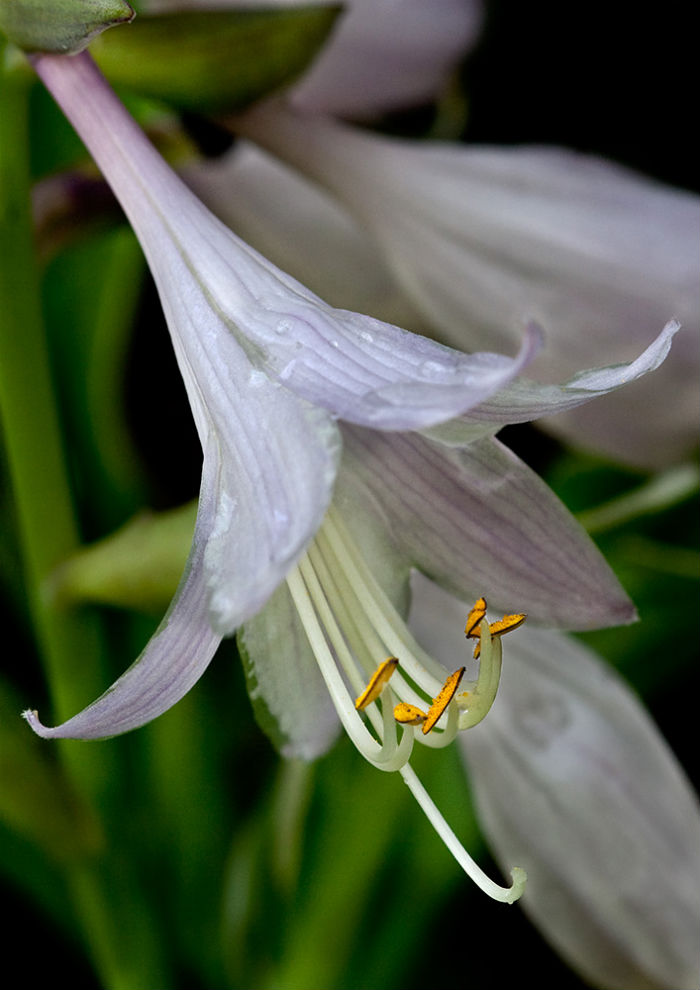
(351,626)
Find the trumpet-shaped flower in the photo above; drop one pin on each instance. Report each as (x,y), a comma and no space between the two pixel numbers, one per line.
(269,370)
(479,237)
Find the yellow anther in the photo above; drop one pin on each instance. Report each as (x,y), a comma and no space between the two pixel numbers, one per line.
(507,624)
(377,682)
(475,616)
(407,714)
(498,628)
(443,699)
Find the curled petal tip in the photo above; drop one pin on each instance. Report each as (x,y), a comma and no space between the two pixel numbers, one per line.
(32,716)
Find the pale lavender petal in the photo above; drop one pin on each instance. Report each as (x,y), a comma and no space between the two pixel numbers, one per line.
(522,401)
(175,658)
(275,485)
(482,238)
(575,783)
(276,455)
(300,228)
(356,367)
(289,696)
(388,54)
(480,522)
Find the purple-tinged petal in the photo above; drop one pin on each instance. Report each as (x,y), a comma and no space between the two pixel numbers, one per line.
(357,368)
(300,228)
(257,511)
(175,658)
(275,480)
(384,56)
(479,522)
(522,400)
(482,238)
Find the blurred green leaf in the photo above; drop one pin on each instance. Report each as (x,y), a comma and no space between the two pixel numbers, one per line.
(214,60)
(90,340)
(137,567)
(648,529)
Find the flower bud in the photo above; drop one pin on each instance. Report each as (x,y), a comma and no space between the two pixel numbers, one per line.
(60,26)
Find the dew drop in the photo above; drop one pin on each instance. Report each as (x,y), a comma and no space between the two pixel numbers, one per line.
(256,378)
(432,369)
(288,369)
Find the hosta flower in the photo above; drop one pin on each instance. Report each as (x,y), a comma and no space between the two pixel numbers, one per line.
(270,370)
(479,237)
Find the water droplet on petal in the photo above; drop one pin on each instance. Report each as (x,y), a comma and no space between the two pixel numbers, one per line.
(256,378)
(288,369)
(431,369)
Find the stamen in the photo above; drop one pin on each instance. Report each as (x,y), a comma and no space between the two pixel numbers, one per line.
(420,666)
(443,699)
(377,682)
(387,755)
(406,714)
(475,617)
(499,628)
(506,624)
(349,621)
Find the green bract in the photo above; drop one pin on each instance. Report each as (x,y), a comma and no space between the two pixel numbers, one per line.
(215,60)
(61,26)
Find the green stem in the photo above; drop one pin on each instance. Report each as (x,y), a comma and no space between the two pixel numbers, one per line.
(69,640)
(43,503)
